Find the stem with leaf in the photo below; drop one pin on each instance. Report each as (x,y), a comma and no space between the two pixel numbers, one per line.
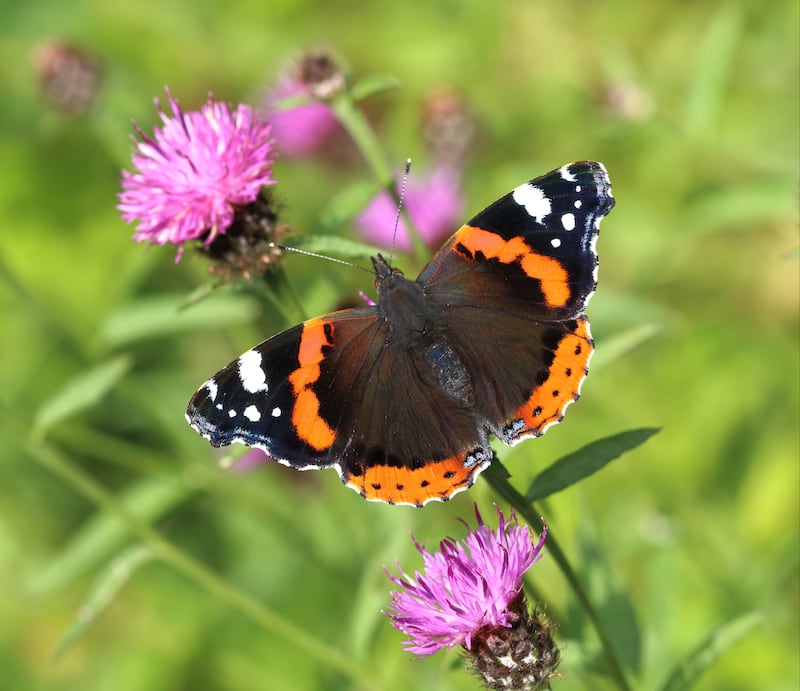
(498,479)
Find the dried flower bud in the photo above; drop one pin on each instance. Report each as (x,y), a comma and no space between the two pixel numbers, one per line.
(70,78)
(447,126)
(249,247)
(320,73)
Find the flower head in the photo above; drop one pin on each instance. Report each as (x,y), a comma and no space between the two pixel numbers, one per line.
(301,129)
(251,460)
(433,201)
(465,586)
(195,171)
(70,77)
(470,594)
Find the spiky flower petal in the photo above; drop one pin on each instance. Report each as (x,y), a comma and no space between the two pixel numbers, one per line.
(195,170)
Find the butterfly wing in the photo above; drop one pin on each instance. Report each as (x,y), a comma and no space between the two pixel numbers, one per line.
(335,391)
(513,284)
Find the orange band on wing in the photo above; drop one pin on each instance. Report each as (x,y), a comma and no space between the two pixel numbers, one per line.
(552,276)
(436,480)
(308,424)
(566,373)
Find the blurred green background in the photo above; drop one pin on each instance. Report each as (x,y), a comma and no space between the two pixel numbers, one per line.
(693,107)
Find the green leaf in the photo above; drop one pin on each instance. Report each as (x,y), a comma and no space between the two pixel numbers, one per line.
(81,393)
(686,674)
(343,207)
(585,461)
(620,344)
(104,533)
(374,84)
(612,601)
(712,70)
(103,592)
(156,317)
(335,246)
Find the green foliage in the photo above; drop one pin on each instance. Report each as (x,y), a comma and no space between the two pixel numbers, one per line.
(273,579)
(574,467)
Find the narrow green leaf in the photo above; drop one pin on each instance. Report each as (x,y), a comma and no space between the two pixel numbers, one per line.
(374,84)
(712,70)
(335,246)
(104,533)
(686,673)
(621,344)
(163,315)
(342,208)
(612,600)
(102,593)
(81,393)
(587,460)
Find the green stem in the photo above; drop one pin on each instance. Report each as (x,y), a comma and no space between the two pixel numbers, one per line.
(505,489)
(281,294)
(352,119)
(197,572)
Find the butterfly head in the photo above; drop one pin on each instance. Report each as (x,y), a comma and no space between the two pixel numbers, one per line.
(384,274)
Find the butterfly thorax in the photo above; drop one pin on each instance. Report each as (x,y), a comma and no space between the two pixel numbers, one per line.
(413,326)
(402,305)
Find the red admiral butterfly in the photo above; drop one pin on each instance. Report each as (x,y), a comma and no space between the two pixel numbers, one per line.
(400,397)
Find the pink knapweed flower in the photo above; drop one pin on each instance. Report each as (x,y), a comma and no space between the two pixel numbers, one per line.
(465,587)
(299,129)
(470,594)
(434,203)
(194,171)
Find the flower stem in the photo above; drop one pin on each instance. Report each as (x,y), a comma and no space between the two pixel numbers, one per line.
(196,571)
(498,479)
(352,119)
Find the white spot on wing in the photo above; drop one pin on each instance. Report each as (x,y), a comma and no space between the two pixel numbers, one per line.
(566,174)
(555,242)
(251,373)
(568,221)
(252,413)
(276,412)
(231,413)
(578,203)
(212,387)
(533,199)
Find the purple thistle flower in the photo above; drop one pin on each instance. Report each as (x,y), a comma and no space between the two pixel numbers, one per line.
(195,170)
(299,130)
(434,203)
(251,460)
(465,588)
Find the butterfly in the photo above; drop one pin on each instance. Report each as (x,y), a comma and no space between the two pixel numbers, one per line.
(401,397)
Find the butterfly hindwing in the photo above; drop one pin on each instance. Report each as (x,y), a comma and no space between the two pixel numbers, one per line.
(331,393)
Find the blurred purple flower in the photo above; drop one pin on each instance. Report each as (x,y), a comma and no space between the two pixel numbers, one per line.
(194,171)
(434,203)
(466,589)
(301,129)
(253,459)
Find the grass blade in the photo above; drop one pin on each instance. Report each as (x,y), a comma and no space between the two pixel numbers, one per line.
(81,393)
(686,674)
(105,589)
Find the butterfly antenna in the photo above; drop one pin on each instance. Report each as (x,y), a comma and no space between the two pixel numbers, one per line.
(400,201)
(285,248)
